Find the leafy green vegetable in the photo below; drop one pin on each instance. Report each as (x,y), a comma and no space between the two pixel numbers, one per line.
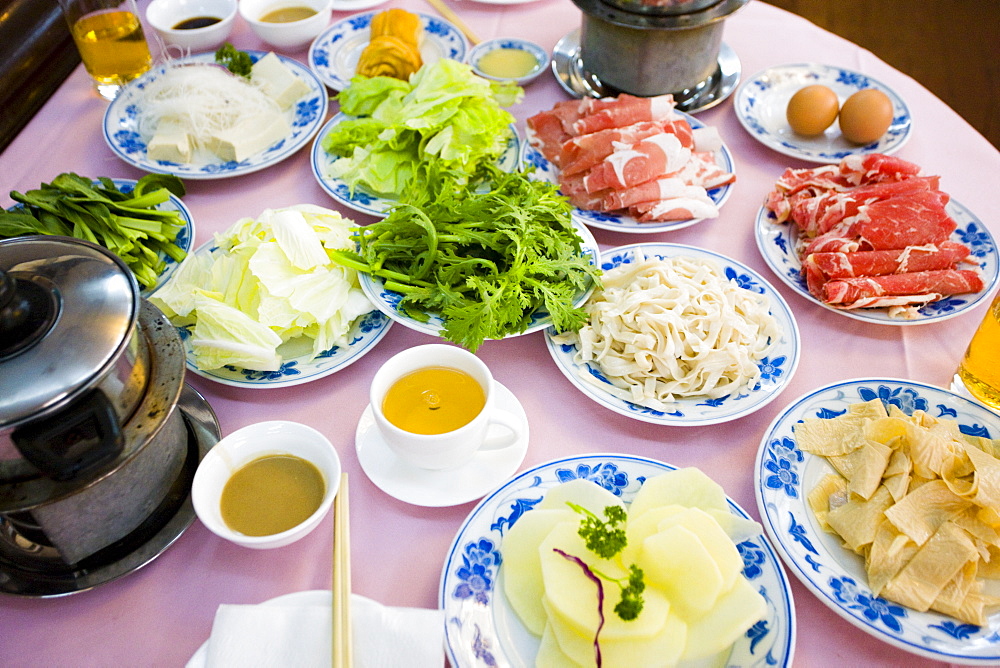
(127,224)
(269,280)
(238,62)
(606,538)
(483,261)
(445,112)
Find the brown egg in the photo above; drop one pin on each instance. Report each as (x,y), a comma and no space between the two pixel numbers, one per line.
(812,110)
(865,116)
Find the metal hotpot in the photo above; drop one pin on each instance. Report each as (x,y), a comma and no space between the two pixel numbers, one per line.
(646,49)
(90,374)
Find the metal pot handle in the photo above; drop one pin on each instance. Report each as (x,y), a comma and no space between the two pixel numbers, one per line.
(75,441)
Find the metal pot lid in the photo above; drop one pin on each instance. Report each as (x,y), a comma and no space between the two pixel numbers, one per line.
(73,308)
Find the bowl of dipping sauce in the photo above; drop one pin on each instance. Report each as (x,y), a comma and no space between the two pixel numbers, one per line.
(508,59)
(192,25)
(286,24)
(266,485)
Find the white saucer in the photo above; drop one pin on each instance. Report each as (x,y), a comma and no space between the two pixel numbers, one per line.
(437,489)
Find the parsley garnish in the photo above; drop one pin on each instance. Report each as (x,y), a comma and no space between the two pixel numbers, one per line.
(606,538)
(237,62)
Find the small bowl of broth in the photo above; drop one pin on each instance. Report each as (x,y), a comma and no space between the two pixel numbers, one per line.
(267,485)
(286,24)
(192,25)
(508,59)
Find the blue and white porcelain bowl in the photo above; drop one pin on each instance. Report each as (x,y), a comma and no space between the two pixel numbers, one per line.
(490,48)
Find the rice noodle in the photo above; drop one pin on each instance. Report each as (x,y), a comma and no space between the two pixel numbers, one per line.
(664,329)
(203,100)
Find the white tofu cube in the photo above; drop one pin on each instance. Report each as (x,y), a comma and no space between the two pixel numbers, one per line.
(277,81)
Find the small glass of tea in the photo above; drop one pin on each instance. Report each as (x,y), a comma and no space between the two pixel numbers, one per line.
(110,39)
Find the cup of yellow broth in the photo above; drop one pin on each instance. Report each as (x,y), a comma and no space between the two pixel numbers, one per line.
(266,485)
(979,370)
(434,406)
(110,39)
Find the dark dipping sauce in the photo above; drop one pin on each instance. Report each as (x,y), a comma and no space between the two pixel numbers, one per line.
(197,22)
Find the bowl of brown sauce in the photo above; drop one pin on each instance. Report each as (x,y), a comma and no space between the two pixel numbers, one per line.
(286,24)
(267,485)
(192,25)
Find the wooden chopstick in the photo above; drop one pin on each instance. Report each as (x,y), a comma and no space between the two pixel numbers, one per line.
(445,11)
(342,653)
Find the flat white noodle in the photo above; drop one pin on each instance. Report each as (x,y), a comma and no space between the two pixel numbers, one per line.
(665,329)
(203,100)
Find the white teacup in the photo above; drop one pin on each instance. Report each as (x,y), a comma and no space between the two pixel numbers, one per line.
(450,449)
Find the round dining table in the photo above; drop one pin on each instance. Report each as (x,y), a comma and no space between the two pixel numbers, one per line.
(160,614)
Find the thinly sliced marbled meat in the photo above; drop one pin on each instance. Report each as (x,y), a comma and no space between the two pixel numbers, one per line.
(694,204)
(818,268)
(915,219)
(578,154)
(659,155)
(625,110)
(818,214)
(876,168)
(900,289)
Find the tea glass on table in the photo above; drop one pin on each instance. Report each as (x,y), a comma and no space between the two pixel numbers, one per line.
(434,406)
(111,41)
(979,371)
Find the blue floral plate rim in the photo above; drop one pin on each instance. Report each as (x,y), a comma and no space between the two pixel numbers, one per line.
(776,243)
(615,222)
(784,475)
(761,100)
(692,412)
(333,55)
(387,301)
(305,117)
(480,628)
(365,202)
(366,331)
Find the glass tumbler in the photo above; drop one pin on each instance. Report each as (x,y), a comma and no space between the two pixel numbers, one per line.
(979,370)
(110,39)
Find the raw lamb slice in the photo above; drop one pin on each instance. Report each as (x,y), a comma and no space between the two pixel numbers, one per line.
(702,170)
(579,154)
(818,268)
(876,168)
(656,156)
(795,184)
(915,219)
(900,289)
(695,204)
(816,215)
(650,191)
(625,110)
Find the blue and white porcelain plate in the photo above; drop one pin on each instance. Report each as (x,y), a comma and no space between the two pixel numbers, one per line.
(784,476)
(365,202)
(776,243)
(366,331)
(184,239)
(777,368)
(121,127)
(761,102)
(482,630)
(546,171)
(334,54)
(387,301)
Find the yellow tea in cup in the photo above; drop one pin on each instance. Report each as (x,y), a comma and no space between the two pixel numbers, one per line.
(433,400)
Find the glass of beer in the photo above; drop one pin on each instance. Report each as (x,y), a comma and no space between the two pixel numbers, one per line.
(980,367)
(110,39)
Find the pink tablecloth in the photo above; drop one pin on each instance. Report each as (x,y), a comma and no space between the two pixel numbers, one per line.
(159,615)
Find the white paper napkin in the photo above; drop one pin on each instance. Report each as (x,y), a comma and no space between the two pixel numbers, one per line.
(291,634)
